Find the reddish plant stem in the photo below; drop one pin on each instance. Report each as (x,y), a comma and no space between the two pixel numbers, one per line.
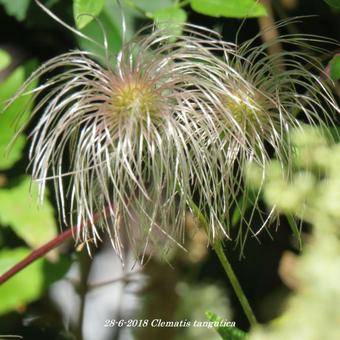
(45,248)
(37,253)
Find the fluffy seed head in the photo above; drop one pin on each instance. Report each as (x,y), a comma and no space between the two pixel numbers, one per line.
(248,103)
(118,141)
(167,121)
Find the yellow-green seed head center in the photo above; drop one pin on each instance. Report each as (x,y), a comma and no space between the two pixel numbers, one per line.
(246,110)
(134,98)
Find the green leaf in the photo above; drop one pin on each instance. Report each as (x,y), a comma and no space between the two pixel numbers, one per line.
(20,106)
(94,31)
(226,333)
(150,6)
(16,8)
(230,8)
(29,284)
(84,11)
(19,210)
(5,59)
(334,3)
(335,68)
(172,18)
(113,13)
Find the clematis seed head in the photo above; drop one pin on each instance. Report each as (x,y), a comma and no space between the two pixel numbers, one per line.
(118,138)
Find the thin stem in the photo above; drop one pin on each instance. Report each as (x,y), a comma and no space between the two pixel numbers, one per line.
(45,248)
(269,32)
(235,283)
(37,253)
(82,288)
(125,279)
(218,248)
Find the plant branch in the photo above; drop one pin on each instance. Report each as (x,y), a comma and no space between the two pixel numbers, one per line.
(44,249)
(269,32)
(235,283)
(218,248)
(82,288)
(37,253)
